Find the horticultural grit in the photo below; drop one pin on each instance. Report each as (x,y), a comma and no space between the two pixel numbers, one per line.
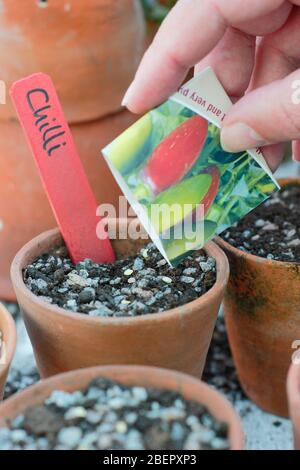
(108,415)
(126,407)
(129,287)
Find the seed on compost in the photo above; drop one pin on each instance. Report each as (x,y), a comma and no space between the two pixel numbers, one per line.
(260,223)
(78,412)
(128,272)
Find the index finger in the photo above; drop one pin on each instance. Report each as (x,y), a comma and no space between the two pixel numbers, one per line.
(189,33)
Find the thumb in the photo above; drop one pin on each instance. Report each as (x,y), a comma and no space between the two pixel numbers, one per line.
(267,115)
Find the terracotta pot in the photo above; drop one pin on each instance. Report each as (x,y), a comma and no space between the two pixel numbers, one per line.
(62,340)
(262,314)
(8,329)
(293,391)
(24,208)
(152,377)
(91,50)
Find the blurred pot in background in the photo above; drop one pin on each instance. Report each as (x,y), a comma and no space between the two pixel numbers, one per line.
(90,49)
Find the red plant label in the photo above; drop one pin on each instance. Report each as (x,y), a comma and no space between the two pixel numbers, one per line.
(60,168)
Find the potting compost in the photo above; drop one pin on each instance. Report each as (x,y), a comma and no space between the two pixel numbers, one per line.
(129,287)
(273,229)
(108,415)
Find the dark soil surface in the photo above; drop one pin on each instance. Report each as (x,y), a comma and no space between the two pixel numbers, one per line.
(134,286)
(272,230)
(108,415)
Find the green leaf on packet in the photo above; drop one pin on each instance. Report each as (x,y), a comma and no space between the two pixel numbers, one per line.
(171,159)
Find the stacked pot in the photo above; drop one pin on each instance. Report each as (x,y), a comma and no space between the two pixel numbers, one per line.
(91,51)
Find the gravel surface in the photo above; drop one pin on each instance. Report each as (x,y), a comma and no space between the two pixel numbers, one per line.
(272,230)
(130,287)
(262,429)
(108,415)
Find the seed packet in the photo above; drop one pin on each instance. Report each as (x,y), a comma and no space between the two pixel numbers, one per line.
(183,186)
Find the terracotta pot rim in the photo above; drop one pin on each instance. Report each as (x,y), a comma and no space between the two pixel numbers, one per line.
(156,374)
(211,248)
(10,333)
(255,258)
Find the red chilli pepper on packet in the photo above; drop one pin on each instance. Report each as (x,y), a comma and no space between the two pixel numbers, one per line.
(175,155)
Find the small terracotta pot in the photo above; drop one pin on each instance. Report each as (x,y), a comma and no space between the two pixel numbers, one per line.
(24,209)
(151,377)
(8,329)
(91,50)
(293,391)
(62,340)
(262,315)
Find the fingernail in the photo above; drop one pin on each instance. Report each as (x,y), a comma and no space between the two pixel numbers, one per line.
(127,95)
(238,137)
(274,154)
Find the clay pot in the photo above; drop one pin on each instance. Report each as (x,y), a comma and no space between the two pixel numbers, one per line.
(262,315)
(151,377)
(24,208)
(62,340)
(91,51)
(8,329)
(293,391)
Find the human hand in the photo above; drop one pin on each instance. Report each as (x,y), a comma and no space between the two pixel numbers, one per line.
(252,46)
